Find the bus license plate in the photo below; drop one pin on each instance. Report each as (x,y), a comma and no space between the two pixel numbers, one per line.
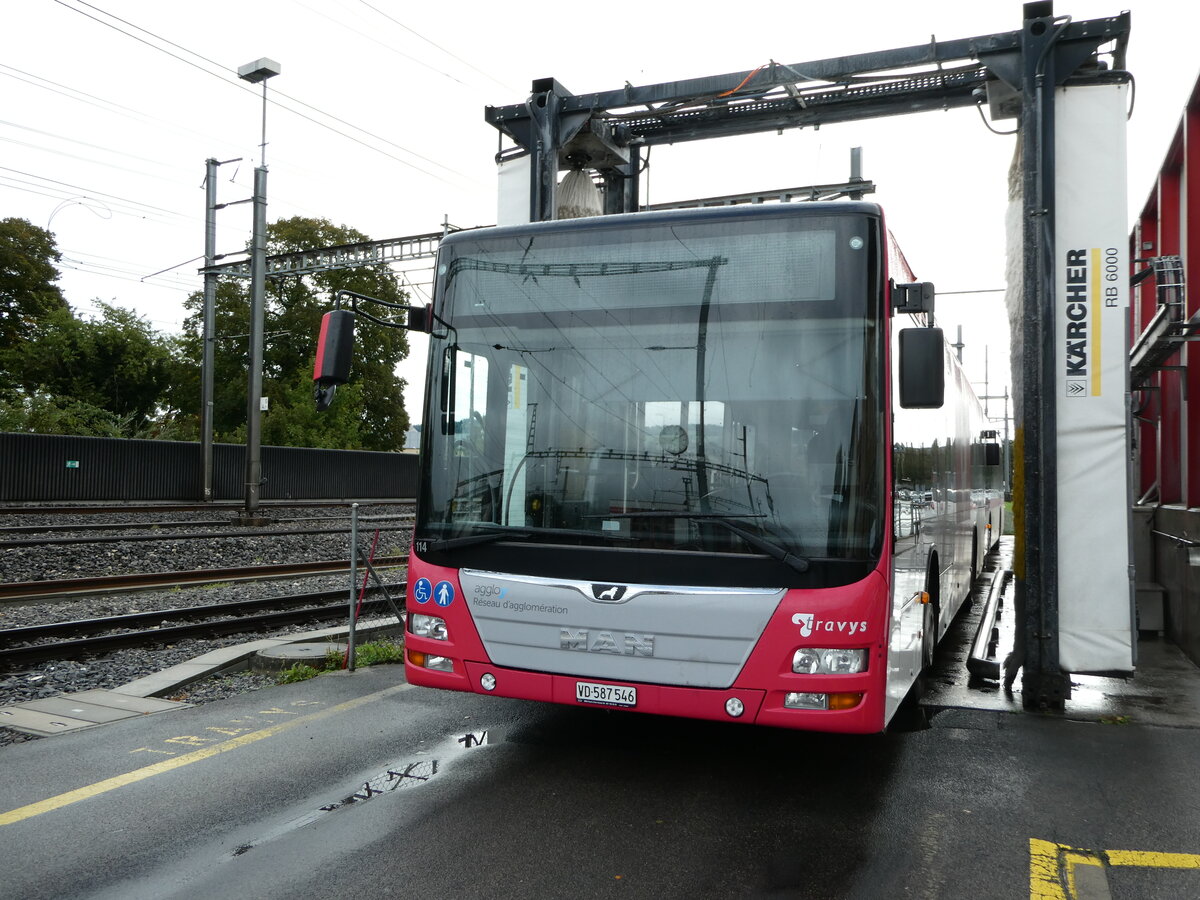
(605,694)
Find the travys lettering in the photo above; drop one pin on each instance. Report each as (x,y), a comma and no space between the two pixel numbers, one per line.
(810,624)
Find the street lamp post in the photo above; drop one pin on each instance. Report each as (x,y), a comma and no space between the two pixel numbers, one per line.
(257,72)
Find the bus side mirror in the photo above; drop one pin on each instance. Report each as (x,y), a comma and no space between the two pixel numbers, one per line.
(989,440)
(420,318)
(335,349)
(922,374)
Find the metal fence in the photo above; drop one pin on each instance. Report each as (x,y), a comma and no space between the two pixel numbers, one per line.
(45,468)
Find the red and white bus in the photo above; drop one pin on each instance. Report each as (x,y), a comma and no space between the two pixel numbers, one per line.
(665,461)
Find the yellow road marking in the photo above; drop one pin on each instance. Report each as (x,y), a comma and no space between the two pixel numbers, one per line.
(111,784)
(1052,866)
(1153,860)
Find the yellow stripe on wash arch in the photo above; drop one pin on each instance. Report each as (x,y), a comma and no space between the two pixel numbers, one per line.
(1097,315)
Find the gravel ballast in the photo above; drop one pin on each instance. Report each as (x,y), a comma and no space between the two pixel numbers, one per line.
(213,550)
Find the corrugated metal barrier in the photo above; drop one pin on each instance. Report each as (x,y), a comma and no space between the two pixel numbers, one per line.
(46,467)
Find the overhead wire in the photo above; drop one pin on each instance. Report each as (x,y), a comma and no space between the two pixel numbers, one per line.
(105,194)
(88,269)
(89,144)
(224,76)
(44,149)
(417,34)
(16,183)
(104,105)
(382,44)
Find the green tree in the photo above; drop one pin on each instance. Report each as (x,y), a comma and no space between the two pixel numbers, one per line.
(71,370)
(43,414)
(368,412)
(27,290)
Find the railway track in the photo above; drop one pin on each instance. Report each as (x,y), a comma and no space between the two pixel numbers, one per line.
(177,535)
(40,643)
(92,570)
(223,524)
(34,591)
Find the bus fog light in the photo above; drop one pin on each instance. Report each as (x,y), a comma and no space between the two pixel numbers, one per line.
(428,626)
(429,661)
(488,681)
(734,707)
(798,700)
(844,662)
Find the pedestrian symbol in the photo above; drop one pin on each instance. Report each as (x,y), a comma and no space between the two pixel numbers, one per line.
(443,594)
(422,590)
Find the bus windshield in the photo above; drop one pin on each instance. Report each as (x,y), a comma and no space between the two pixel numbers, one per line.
(706,387)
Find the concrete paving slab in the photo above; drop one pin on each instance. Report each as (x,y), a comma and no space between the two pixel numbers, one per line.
(138,705)
(40,723)
(77,709)
(167,680)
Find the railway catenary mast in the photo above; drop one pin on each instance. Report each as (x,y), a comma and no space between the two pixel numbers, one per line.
(605,132)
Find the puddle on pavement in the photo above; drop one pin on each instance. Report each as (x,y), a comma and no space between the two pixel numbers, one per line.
(396,777)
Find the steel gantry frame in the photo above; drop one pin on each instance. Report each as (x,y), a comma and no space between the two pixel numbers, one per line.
(343,256)
(1015,72)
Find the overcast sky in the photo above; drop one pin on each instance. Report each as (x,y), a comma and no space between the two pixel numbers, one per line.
(109,110)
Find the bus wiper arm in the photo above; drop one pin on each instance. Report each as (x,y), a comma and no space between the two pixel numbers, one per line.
(772,549)
(522,534)
(676,514)
(469,540)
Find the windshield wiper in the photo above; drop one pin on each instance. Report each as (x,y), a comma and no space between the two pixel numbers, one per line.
(769,547)
(772,549)
(469,540)
(520,533)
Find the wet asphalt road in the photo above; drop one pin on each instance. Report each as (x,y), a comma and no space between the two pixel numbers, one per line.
(226,800)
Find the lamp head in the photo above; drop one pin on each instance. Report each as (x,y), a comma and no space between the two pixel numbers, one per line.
(259,70)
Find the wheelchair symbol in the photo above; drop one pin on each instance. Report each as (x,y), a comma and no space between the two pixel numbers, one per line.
(422,590)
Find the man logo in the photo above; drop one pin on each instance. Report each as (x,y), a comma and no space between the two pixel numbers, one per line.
(608,593)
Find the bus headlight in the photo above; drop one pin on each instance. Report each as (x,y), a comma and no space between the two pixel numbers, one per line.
(820,661)
(844,662)
(428,626)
